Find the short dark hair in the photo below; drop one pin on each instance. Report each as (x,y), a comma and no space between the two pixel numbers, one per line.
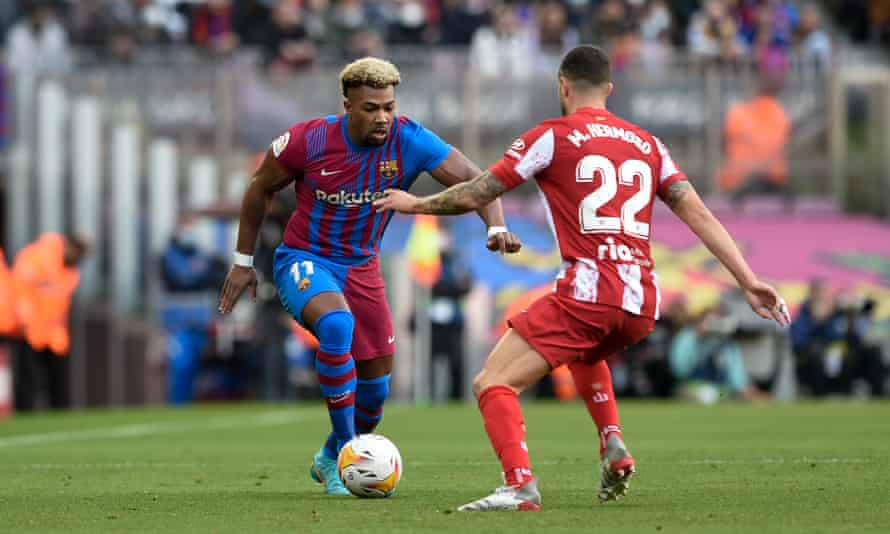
(586,64)
(78,242)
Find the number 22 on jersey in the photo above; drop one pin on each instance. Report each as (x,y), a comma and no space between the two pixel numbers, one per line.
(625,176)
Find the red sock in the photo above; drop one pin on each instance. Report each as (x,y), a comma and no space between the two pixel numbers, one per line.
(594,383)
(506,430)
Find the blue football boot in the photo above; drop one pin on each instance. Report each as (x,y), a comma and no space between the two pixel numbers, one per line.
(324,471)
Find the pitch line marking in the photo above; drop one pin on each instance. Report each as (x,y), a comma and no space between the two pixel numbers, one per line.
(150,429)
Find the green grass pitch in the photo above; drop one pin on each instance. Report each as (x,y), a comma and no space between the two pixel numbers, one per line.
(808,468)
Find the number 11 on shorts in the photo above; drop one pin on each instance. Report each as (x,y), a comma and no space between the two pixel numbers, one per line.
(308,269)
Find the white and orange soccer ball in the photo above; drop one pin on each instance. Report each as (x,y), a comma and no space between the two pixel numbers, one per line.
(370,466)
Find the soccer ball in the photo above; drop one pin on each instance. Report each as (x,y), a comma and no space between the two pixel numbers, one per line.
(370,466)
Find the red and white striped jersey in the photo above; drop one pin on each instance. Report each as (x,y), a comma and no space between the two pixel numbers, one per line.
(598,176)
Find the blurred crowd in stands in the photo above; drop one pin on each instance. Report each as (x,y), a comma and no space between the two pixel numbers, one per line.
(837,347)
(503,35)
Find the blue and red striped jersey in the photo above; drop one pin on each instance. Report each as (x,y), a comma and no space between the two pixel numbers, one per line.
(336,182)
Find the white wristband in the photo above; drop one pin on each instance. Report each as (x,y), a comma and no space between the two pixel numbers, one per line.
(495,230)
(242,260)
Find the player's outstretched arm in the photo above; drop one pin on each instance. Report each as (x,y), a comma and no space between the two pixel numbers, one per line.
(457,168)
(763,298)
(457,199)
(270,178)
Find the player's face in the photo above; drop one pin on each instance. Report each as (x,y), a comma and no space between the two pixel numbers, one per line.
(371,112)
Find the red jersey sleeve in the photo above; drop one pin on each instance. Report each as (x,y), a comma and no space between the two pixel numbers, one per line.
(290,148)
(669,172)
(530,154)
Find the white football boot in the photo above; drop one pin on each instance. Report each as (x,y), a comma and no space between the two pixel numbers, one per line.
(509,499)
(617,468)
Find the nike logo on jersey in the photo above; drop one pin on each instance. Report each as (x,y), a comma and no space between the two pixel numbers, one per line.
(391,339)
(325,172)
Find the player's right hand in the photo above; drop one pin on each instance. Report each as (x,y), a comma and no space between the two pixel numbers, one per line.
(766,302)
(238,279)
(505,242)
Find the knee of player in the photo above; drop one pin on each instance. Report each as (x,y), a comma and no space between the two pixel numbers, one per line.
(485,380)
(373,392)
(480,383)
(334,331)
(378,396)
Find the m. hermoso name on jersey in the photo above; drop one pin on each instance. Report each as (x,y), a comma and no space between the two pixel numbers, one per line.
(604,130)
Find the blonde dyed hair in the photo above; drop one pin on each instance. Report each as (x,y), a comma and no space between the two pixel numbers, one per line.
(370,71)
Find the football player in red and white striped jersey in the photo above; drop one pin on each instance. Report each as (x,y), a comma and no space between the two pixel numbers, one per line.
(598,176)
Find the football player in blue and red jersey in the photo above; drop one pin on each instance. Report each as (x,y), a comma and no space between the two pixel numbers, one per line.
(326,270)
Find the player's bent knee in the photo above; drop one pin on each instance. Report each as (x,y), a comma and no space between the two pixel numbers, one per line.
(373,392)
(485,380)
(334,331)
(479,383)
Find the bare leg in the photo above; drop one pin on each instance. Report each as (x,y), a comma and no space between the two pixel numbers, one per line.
(512,363)
(511,367)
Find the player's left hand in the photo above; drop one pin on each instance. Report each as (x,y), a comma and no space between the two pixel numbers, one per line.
(766,302)
(505,242)
(396,200)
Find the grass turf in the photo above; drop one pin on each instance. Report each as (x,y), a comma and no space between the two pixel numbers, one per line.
(805,468)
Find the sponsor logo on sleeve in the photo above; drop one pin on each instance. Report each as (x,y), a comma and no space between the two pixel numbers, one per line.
(280,144)
(515,149)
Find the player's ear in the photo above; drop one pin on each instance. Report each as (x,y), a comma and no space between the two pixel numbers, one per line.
(609,89)
(347,105)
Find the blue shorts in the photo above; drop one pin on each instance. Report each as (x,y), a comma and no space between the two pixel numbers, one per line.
(301,275)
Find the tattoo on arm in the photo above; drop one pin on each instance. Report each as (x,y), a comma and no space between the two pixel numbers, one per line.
(676,192)
(463,197)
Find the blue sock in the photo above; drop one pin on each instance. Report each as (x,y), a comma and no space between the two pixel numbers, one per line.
(330,446)
(369,398)
(336,376)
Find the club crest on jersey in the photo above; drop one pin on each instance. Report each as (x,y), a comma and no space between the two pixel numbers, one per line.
(388,168)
